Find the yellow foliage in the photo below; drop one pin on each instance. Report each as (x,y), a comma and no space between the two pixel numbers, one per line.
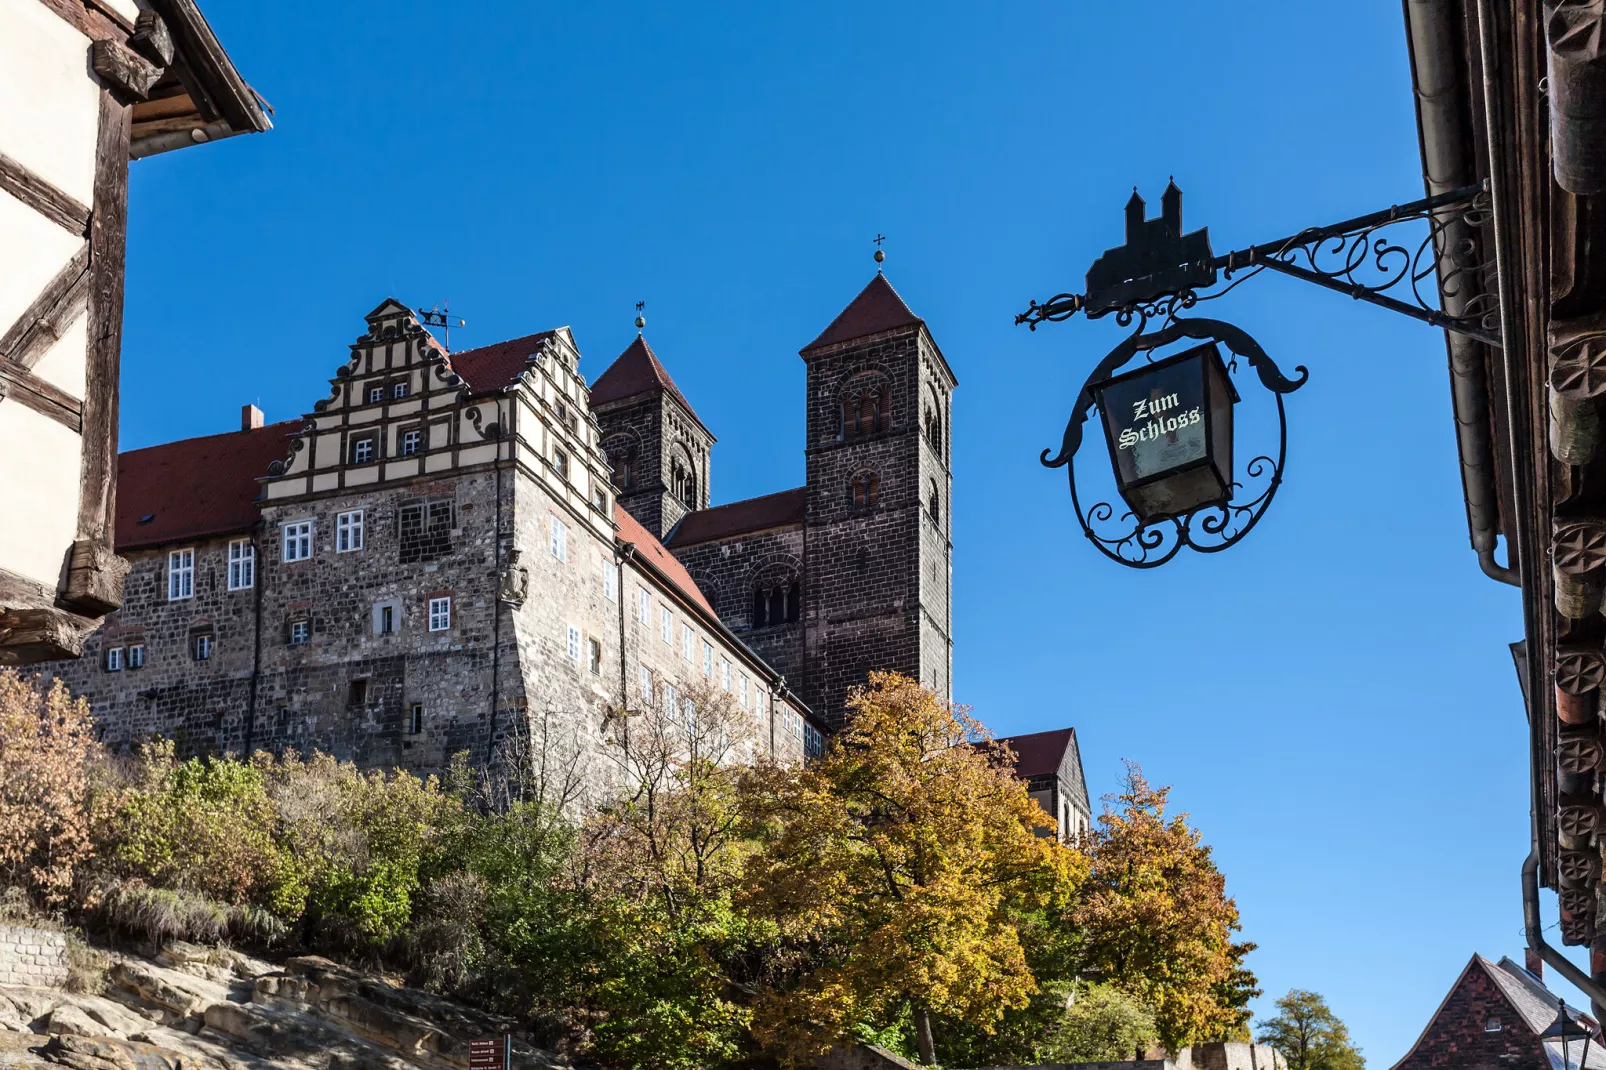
(47,747)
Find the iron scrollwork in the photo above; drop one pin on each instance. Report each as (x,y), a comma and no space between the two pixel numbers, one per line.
(1209,529)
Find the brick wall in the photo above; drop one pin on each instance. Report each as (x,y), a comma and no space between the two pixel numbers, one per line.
(1459,1036)
(32,956)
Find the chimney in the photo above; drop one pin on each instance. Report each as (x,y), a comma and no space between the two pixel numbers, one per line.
(250,417)
(1535,964)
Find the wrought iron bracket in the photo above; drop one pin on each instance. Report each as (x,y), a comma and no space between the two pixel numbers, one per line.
(1145,278)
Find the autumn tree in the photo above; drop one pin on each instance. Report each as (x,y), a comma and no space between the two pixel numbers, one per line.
(895,869)
(47,747)
(1156,919)
(1309,1034)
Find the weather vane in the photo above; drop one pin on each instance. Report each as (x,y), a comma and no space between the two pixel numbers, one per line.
(440,316)
(641,320)
(880,255)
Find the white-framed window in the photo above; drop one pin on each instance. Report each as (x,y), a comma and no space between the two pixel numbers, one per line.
(300,632)
(670,707)
(399,390)
(610,580)
(298,540)
(114,659)
(687,644)
(376,394)
(440,614)
(180,574)
(646,684)
(242,565)
(348,531)
(201,644)
(136,656)
(560,539)
(797,723)
(560,461)
(725,674)
(594,657)
(643,605)
(708,659)
(1492,1025)
(412,441)
(574,643)
(362,450)
(666,624)
(415,719)
(741,689)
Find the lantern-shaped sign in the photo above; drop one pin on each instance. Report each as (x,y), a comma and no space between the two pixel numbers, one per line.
(1169,429)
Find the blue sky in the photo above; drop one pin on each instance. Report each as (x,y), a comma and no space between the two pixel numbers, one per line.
(1333,700)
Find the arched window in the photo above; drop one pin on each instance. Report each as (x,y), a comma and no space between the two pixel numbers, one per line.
(934,504)
(934,429)
(683,478)
(863,491)
(866,408)
(777,602)
(621,451)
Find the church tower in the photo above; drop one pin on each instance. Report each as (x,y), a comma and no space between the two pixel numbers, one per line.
(877,515)
(656,445)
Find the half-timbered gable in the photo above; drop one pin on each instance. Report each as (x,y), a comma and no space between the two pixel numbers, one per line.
(92,86)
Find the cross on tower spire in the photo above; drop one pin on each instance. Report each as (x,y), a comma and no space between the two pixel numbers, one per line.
(880,255)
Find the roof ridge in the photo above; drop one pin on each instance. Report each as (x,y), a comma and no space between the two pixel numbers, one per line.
(637,371)
(214,434)
(877,308)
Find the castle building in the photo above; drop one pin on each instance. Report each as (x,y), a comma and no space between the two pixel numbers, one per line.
(454,547)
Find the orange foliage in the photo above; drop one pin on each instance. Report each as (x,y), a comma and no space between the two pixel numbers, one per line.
(47,749)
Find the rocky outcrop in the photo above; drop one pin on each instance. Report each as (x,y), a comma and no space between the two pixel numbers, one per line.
(204,1008)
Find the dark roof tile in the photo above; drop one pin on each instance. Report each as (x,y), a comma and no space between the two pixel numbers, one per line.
(494,366)
(1039,753)
(738,518)
(877,308)
(650,549)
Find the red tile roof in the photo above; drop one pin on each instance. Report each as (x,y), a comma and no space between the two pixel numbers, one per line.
(636,371)
(494,366)
(877,308)
(195,487)
(738,518)
(651,550)
(1039,753)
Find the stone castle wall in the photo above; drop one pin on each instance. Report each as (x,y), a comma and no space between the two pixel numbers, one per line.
(32,957)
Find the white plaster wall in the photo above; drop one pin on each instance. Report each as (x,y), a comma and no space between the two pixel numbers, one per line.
(64,364)
(32,248)
(52,99)
(39,461)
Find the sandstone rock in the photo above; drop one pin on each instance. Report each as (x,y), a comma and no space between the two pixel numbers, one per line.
(178,994)
(32,1003)
(101,1053)
(117,1020)
(70,1019)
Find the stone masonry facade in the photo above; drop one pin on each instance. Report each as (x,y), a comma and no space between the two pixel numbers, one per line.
(32,957)
(429,562)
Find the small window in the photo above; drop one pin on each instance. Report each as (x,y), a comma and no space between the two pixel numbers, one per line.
(376,394)
(643,605)
(298,540)
(411,442)
(114,659)
(724,674)
(385,618)
(560,461)
(646,684)
(242,565)
(670,705)
(666,624)
(934,503)
(742,689)
(594,657)
(1492,1025)
(708,660)
(300,632)
(357,692)
(610,580)
(560,539)
(440,614)
(400,390)
(180,574)
(348,531)
(202,645)
(574,643)
(687,644)
(599,498)
(415,719)
(136,656)
(362,449)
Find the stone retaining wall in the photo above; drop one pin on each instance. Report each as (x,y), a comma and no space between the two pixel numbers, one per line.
(36,957)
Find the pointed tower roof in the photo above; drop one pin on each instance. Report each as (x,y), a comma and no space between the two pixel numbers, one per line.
(637,371)
(877,308)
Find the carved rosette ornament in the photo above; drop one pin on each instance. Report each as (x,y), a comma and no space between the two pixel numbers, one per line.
(1579,672)
(1578,868)
(1579,752)
(1578,563)
(1577,928)
(1577,388)
(1575,30)
(1576,823)
(1577,901)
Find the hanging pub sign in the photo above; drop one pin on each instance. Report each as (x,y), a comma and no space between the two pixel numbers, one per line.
(1169,430)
